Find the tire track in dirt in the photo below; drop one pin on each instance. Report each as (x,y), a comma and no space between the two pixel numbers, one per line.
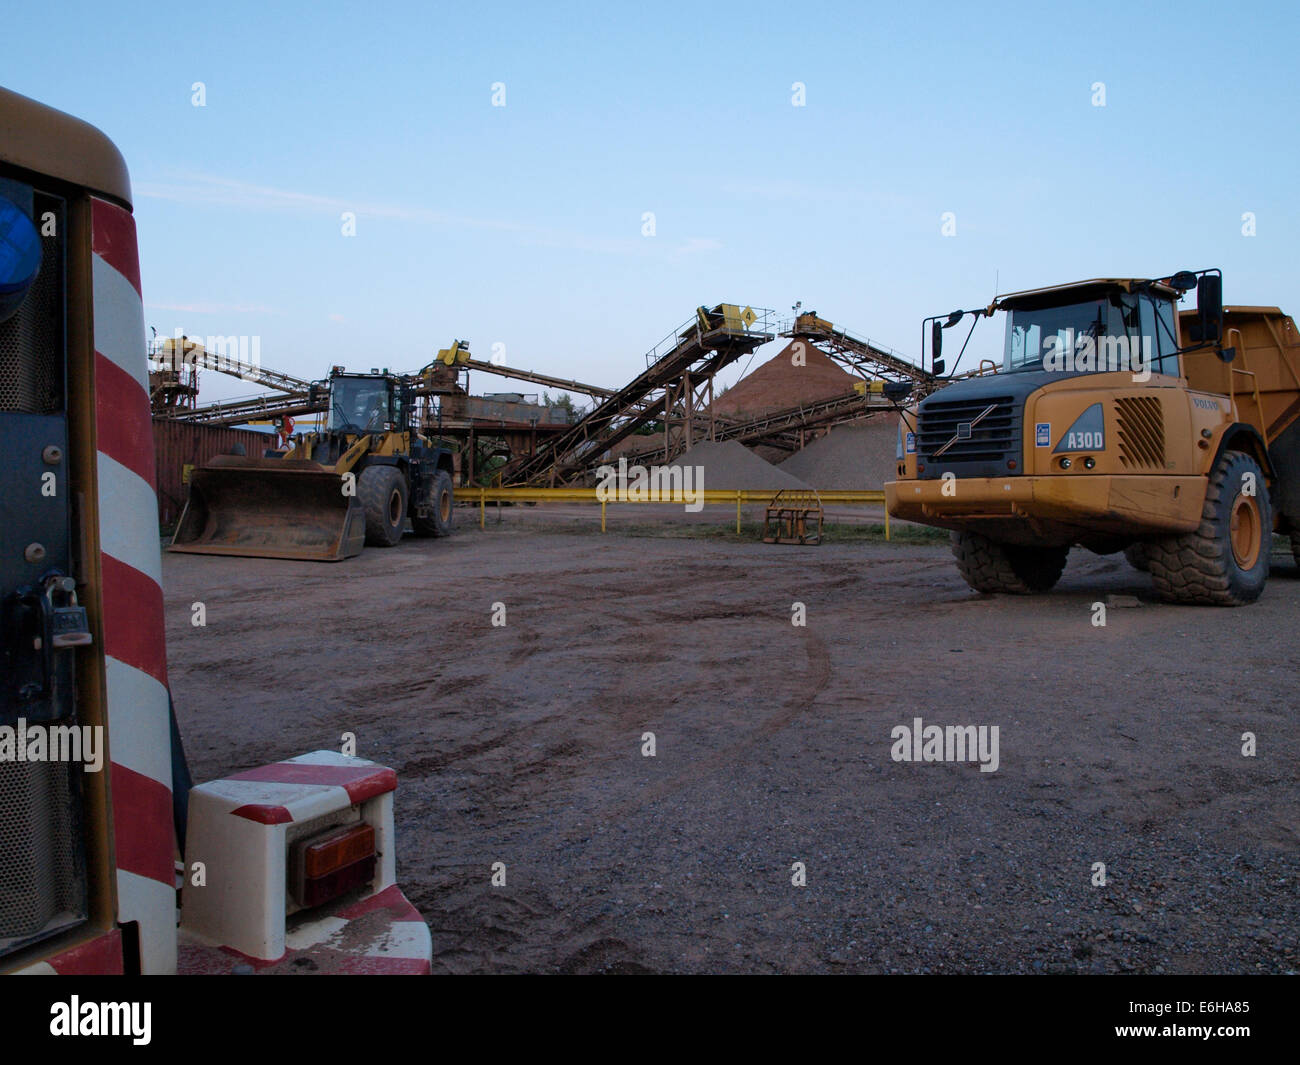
(816,680)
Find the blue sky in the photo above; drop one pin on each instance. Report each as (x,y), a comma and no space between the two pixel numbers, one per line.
(522,224)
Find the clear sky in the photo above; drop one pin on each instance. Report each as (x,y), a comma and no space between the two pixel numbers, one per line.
(522,225)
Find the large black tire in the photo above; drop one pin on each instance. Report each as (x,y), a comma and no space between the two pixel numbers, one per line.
(442,500)
(1137,556)
(383,494)
(1224,562)
(989,566)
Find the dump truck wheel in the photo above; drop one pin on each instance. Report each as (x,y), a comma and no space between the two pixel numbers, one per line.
(382,491)
(1137,557)
(1224,562)
(990,567)
(442,498)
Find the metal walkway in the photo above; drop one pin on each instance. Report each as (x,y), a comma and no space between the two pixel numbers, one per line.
(513,372)
(678,370)
(779,427)
(864,357)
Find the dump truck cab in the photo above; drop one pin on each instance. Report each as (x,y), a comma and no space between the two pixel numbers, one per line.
(1108,425)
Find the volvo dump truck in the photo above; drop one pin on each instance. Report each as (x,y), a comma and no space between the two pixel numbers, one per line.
(110,862)
(1117,421)
(355,483)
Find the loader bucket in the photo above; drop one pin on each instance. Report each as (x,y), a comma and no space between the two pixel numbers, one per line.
(270,508)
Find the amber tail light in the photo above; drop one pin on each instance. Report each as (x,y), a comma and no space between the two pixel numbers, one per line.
(328,865)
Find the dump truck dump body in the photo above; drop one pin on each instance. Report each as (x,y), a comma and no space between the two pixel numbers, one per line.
(270,508)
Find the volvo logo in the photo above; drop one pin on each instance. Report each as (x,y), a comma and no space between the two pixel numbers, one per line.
(964,428)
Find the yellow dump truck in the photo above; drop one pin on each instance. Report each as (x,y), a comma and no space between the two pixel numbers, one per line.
(1118,421)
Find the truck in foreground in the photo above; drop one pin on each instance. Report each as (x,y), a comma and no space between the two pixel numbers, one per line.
(110,861)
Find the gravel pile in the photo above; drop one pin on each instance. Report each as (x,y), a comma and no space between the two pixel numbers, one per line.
(780,383)
(731,465)
(849,456)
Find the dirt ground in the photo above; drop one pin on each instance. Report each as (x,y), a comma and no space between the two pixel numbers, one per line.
(522,744)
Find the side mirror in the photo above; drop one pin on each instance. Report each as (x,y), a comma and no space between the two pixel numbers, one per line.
(937,366)
(1183,280)
(1209,307)
(1227,354)
(936,343)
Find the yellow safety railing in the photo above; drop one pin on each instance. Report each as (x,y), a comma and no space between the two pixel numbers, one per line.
(739,497)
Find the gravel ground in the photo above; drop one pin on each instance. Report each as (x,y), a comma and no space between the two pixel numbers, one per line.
(522,744)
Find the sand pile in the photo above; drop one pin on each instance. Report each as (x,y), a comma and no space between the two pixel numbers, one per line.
(849,456)
(778,383)
(731,465)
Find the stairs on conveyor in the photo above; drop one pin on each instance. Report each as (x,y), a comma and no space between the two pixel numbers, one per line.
(710,341)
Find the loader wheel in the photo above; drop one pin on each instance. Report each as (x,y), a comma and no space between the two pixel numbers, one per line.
(382,491)
(989,566)
(439,524)
(1137,557)
(1224,562)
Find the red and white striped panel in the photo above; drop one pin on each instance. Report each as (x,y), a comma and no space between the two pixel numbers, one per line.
(133,640)
(383,935)
(304,787)
(101,956)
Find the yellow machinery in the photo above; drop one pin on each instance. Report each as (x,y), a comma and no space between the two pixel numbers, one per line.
(1119,423)
(794,517)
(356,483)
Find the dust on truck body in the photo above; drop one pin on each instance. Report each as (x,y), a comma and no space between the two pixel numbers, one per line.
(277,863)
(1117,422)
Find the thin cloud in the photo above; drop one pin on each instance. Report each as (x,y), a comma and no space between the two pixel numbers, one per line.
(212,190)
(695,245)
(213,308)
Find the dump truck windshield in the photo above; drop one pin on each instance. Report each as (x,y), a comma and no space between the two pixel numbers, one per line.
(1078,338)
(358,404)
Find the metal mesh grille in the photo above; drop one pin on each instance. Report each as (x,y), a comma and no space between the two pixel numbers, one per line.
(31,341)
(41,880)
(990,438)
(1141,424)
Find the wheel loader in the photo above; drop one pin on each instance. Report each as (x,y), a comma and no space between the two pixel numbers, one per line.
(353,484)
(1117,421)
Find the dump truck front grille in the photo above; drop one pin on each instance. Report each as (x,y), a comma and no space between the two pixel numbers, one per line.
(1141,425)
(956,428)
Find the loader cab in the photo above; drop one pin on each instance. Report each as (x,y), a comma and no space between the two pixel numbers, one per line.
(364,403)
